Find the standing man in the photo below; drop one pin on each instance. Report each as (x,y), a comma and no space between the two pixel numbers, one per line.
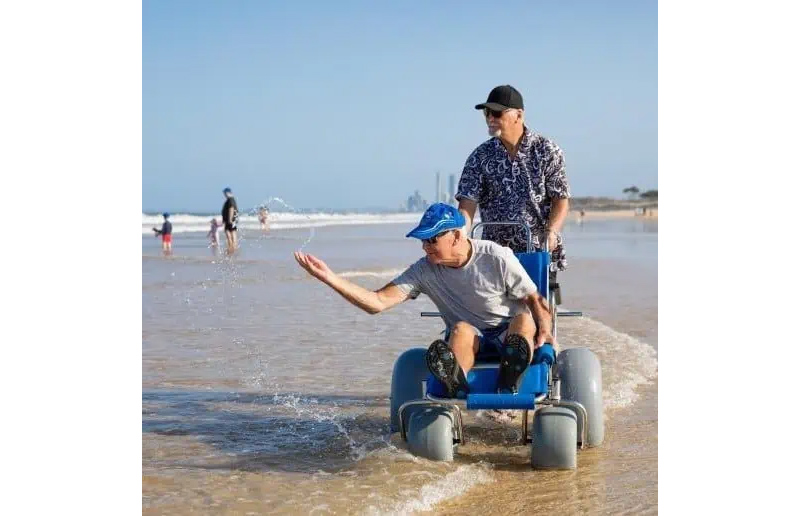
(516,175)
(230,215)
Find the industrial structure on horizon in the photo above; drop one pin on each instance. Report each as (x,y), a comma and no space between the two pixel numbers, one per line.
(416,202)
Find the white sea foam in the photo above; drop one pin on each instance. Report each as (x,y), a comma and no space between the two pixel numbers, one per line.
(450,486)
(627,361)
(186,223)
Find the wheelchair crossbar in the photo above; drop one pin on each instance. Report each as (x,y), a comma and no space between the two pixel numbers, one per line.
(500,401)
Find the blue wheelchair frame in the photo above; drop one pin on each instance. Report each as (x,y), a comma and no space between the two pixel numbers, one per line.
(539,386)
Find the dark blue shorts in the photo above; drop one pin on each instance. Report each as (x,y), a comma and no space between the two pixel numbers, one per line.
(491,339)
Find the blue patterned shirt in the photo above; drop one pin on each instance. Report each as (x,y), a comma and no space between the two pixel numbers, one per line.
(519,191)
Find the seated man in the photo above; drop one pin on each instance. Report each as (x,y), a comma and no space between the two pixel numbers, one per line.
(482,291)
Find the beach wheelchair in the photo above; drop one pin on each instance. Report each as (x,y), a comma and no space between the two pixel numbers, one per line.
(560,393)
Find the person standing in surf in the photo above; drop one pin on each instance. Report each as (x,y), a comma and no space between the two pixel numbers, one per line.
(263,218)
(166,234)
(212,233)
(230,216)
(486,299)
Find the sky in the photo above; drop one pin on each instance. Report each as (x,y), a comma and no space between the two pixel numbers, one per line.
(356,104)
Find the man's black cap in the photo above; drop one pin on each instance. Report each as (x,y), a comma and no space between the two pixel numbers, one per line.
(503,97)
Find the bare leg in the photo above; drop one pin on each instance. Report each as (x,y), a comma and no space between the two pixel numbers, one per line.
(464,343)
(229,240)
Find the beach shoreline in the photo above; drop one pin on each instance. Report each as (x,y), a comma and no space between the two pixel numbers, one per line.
(574,214)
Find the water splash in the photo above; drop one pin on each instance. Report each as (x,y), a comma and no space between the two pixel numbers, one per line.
(306,407)
(269,202)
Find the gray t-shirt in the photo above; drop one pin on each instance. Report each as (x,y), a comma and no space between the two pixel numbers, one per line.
(485,293)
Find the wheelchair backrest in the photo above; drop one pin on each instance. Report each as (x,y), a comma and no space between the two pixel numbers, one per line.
(537,265)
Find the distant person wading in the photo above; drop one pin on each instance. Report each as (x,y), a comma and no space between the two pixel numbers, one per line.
(166,235)
(263,218)
(230,216)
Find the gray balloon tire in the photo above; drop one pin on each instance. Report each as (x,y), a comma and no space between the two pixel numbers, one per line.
(554,435)
(410,370)
(582,381)
(430,433)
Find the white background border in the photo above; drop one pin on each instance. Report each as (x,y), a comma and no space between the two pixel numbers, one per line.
(70,113)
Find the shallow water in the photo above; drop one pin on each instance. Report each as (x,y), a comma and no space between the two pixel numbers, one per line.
(265,392)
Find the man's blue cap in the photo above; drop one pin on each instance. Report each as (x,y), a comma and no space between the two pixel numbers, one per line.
(165,214)
(437,218)
(226,190)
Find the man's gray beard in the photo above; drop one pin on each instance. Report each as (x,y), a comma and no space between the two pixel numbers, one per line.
(495,134)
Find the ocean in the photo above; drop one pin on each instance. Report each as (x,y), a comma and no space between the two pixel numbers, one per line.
(265,392)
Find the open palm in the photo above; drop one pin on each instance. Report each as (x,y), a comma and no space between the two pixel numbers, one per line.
(313,265)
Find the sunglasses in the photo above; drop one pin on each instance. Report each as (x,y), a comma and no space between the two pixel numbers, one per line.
(432,240)
(493,112)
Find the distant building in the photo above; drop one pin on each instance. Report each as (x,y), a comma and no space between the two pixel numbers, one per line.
(452,189)
(416,202)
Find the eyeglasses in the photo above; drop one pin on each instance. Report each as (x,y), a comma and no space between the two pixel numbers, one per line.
(493,112)
(432,240)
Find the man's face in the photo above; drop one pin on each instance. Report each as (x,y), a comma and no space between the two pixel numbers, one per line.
(500,122)
(440,248)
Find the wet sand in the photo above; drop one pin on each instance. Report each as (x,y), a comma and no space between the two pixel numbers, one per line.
(265,392)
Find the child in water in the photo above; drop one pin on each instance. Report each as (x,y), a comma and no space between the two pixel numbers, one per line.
(263,214)
(166,234)
(212,234)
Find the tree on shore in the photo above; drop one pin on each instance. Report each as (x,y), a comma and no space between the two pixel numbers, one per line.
(631,191)
(650,195)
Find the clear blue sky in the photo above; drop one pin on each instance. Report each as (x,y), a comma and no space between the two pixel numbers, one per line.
(350,104)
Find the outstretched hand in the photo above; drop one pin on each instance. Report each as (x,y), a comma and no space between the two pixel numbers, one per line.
(313,265)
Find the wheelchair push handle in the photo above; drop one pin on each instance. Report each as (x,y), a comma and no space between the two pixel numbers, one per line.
(527,228)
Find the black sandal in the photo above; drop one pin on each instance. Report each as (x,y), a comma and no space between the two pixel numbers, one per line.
(442,363)
(514,360)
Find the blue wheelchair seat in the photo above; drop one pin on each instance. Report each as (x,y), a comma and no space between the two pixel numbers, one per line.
(537,265)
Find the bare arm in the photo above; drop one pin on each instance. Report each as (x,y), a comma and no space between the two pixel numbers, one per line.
(371,302)
(540,309)
(467,208)
(558,214)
